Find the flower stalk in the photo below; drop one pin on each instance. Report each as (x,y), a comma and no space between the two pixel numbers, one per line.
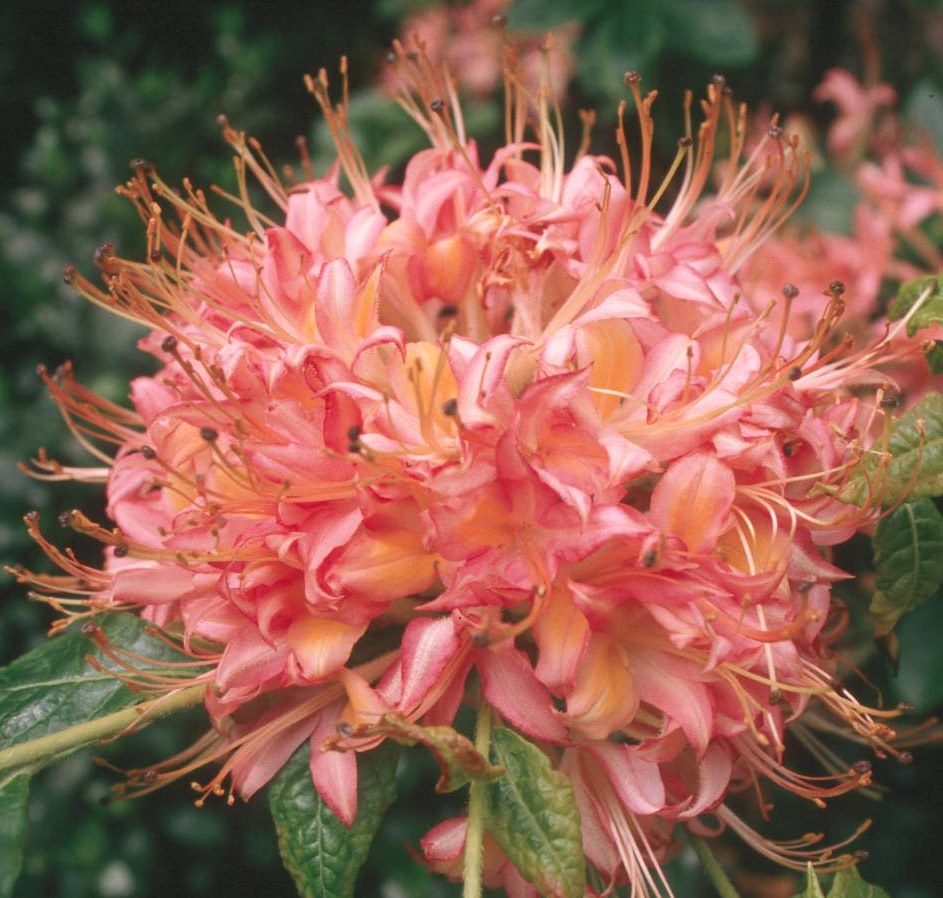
(38,753)
(711,866)
(475,834)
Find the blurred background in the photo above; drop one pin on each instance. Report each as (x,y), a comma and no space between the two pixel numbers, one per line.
(89,85)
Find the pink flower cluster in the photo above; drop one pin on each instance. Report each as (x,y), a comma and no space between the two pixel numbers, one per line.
(898,177)
(468,38)
(505,424)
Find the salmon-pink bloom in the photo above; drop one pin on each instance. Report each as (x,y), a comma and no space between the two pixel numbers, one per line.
(899,182)
(505,424)
(858,108)
(468,38)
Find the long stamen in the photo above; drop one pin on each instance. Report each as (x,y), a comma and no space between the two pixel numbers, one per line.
(798,854)
(336,117)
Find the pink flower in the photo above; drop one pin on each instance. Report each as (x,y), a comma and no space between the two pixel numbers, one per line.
(899,183)
(504,418)
(467,39)
(858,109)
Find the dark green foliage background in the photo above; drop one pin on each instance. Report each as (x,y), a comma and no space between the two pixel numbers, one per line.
(87,86)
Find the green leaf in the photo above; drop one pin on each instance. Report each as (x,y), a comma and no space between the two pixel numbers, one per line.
(913,467)
(720,32)
(539,15)
(397,10)
(532,814)
(322,855)
(628,38)
(12,831)
(849,884)
(54,686)
(920,675)
(812,887)
(846,883)
(926,290)
(53,702)
(908,561)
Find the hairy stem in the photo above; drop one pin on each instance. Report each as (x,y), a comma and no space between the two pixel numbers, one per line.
(475,834)
(38,753)
(711,865)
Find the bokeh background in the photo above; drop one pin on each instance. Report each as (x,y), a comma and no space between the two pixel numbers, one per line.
(87,86)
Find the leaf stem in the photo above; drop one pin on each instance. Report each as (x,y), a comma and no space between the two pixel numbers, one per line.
(723,885)
(37,753)
(475,833)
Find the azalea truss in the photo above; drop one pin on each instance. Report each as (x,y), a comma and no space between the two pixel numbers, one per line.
(505,433)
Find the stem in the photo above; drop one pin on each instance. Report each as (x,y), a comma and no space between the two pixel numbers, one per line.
(475,833)
(38,753)
(715,872)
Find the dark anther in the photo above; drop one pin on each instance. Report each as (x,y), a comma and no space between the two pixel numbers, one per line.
(790,291)
(633,77)
(149,775)
(719,81)
(650,557)
(140,165)
(391,57)
(210,434)
(65,517)
(450,407)
(148,452)
(156,255)
(861,855)
(775,697)
(861,767)
(437,106)
(889,402)
(499,21)
(344,729)
(353,439)
(905,707)
(121,550)
(31,517)
(905,757)
(774,131)
(836,288)
(412,56)
(794,373)
(804,586)
(89,628)
(69,273)
(481,640)
(685,142)
(447,311)
(788,449)
(105,258)
(169,343)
